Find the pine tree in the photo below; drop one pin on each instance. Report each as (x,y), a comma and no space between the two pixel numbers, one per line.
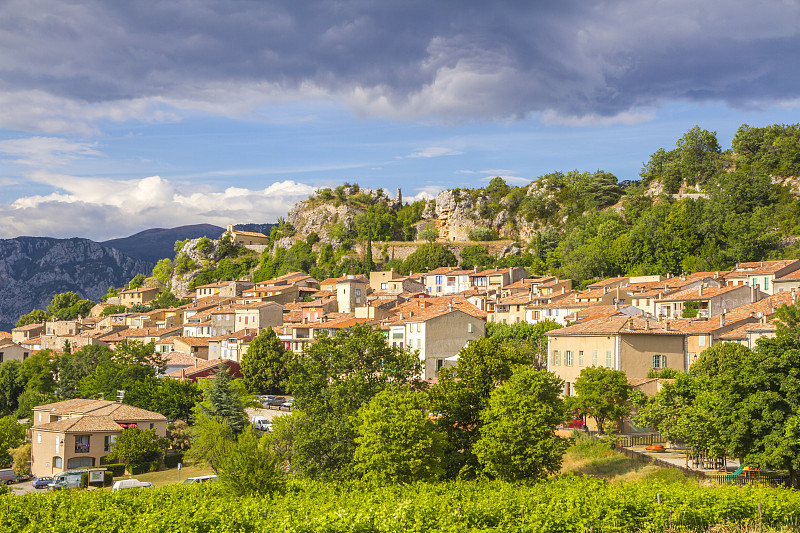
(222,401)
(369,266)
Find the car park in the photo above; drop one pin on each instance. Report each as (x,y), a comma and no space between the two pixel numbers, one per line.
(41,482)
(277,401)
(288,403)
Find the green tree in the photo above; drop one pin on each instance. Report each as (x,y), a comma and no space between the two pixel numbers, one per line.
(38,371)
(62,301)
(482,233)
(264,364)
(529,339)
(135,445)
(11,386)
(428,257)
(163,271)
(330,381)
(475,256)
(518,439)
(222,401)
(136,283)
(172,398)
(21,458)
(31,398)
(398,441)
(603,394)
(12,434)
(250,466)
(463,392)
(180,435)
(429,233)
(37,316)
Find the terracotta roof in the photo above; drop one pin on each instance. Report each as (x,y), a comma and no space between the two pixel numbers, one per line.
(614,325)
(81,424)
(200,367)
(179,358)
(250,233)
(118,411)
(5,335)
(29,326)
(515,299)
(694,293)
(608,281)
(440,270)
(757,268)
(140,289)
(596,311)
(766,306)
(698,325)
(192,341)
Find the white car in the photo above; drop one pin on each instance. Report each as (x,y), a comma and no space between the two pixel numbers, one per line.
(262,423)
(124,484)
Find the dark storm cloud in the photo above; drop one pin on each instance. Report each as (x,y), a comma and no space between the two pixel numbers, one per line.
(450,60)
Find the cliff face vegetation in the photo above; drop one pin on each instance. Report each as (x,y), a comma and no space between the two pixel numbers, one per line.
(33,269)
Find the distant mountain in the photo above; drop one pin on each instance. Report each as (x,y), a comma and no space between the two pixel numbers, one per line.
(158,243)
(33,269)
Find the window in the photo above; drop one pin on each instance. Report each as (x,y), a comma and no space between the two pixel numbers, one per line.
(558,358)
(469,327)
(438,280)
(766,284)
(1,357)
(107,440)
(82,444)
(659,361)
(580,358)
(702,340)
(568,358)
(358,292)
(439,365)
(77,462)
(39,438)
(609,359)
(384,286)
(152,425)
(57,462)
(594,357)
(567,388)
(419,327)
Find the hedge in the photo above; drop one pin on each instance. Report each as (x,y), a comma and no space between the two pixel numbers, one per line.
(108,479)
(172,460)
(116,469)
(143,468)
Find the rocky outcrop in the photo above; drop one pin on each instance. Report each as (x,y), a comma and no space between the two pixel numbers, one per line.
(33,269)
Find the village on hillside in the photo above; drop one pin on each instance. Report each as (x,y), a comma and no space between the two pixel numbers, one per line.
(640,325)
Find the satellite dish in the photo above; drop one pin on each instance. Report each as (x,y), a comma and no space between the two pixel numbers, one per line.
(759,314)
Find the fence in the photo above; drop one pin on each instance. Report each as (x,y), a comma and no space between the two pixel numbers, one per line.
(764,480)
(640,440)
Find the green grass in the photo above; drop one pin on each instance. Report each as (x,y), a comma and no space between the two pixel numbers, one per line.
(170,476)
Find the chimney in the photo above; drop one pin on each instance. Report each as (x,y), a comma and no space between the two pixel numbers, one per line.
(700,290)
(722,318)
(646,325)
(753,294)
(605,289)
(666,324)
(630,324)
(563,289)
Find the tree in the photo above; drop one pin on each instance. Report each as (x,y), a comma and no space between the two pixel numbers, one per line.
(518,439)
(11,386)
(222,401)
(62,301)
(428,257)
(163,271)
(369,266)
(527,338)
(398,441)
(482,233)
(37,316)
(330,381)
(172,398)
(135,445)
(12,434)
(603,394)
(475,255)
(430,233)
(250,466)
(264,364)
(21,457)
(180,435)
(463,392)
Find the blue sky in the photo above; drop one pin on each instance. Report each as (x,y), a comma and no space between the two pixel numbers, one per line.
(117,117)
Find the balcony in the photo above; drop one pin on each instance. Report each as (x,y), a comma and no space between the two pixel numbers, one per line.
(81,448)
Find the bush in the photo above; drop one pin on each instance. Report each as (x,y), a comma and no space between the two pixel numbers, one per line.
(84,480)
(143,468)
(172,460)
(108,478)
(116,470)
(482,234)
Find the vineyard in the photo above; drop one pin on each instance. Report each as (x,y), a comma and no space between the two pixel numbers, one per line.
(565,504)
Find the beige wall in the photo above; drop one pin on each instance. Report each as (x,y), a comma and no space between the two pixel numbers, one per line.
(637,352)
(13,352)
(575,344)
(445,336)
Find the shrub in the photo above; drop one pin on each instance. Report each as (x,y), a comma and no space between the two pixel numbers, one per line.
(143,468)
(172,460)
(116,470)
(482,234)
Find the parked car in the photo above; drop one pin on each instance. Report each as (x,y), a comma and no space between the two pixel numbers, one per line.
(277,401)
(58,485)
(262,423)
(24,477)
(8,476)
(288,403)
(200,479)
(124,484)
(41,482)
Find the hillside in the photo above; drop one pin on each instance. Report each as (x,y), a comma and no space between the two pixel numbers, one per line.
(157,243)
(33,269)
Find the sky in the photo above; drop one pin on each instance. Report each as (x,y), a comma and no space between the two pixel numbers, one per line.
(121,116)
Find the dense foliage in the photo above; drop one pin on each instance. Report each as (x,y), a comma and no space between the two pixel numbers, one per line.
(565,504)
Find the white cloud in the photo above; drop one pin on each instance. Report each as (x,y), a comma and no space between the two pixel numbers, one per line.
(630,118)
(46,152)
(428,192)
(433,151)
(516,180)
(104,208)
